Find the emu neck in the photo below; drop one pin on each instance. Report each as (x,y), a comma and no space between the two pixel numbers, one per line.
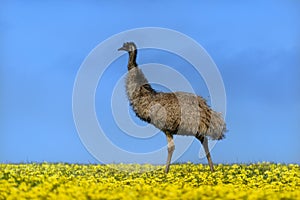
(139,91)
(132,60)
(137,85)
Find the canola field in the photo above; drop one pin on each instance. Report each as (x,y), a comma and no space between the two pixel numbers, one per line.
(132,181)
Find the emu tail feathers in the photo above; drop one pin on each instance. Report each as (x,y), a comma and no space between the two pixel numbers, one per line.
(216,127)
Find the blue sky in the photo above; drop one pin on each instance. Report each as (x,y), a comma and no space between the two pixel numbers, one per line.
(255,45)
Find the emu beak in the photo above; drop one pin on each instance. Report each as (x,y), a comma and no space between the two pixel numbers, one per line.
(121,49)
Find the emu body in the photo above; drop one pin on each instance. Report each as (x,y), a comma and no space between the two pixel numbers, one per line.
(178,113)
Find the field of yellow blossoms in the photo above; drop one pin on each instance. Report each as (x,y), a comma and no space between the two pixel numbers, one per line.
(132,181)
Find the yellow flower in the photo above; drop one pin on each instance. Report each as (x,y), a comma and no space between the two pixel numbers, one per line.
(133,181)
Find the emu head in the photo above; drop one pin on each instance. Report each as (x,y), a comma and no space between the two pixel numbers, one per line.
(128,46)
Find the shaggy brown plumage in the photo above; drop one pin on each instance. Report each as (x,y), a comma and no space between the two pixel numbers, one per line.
(174,113)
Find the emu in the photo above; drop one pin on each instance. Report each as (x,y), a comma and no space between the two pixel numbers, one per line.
(177,113)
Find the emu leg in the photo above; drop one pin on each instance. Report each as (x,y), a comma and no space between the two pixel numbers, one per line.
(171,148)
(204,143)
